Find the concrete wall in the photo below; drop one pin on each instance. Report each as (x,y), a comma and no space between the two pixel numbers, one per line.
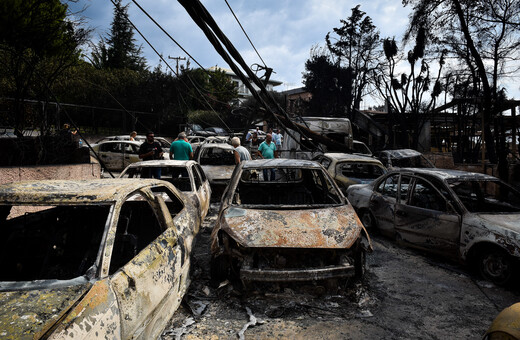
(72,171)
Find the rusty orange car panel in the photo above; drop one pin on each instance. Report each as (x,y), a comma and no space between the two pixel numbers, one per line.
(136,301)
(313,228)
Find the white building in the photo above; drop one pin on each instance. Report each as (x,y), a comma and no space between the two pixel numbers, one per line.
(243,91)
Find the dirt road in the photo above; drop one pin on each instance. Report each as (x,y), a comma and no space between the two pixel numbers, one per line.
(404,295)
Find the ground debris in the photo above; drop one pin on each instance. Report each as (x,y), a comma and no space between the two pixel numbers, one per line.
(178,332)
(252,322)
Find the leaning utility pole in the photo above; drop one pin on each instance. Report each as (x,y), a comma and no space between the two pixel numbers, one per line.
(177,61)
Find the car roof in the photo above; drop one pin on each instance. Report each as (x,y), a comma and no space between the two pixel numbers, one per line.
(121,141)
(281,163)
(217,145)
(350,157)
(162,163)
(401,153)
(448,174)
(50,192)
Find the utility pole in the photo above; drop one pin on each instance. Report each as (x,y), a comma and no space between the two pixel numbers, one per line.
(177,61)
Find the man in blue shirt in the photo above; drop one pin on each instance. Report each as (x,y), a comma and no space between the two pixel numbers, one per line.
(267,150)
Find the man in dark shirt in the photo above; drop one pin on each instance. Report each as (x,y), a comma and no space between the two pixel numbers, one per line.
(151,150)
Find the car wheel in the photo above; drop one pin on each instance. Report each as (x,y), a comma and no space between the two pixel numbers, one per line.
(368,220)
(496,266)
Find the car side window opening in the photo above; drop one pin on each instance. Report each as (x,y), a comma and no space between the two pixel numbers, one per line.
(217,156)
(426,197)
(58,242)
(174,204)
(137,227)
(197,179)
(360,170)
(388,187)
(201,172)
(406,183)
(487,196)
(325,162)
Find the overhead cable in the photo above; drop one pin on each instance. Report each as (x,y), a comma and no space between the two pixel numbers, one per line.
(243,30)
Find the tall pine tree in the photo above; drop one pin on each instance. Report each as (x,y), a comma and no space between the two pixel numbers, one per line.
(119,51)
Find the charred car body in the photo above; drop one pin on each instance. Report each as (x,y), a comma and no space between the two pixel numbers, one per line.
(298,227)
(470,217)
(218,161)
(348,169)
(403,158)
(187,176)
(93,259)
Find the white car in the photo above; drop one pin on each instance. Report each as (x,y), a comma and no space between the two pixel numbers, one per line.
(218,162)
(187,176)
(118,154)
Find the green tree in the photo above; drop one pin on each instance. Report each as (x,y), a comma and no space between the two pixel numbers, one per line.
(119,50)
(329,84)
(484,35)
(356,47)
(37,43)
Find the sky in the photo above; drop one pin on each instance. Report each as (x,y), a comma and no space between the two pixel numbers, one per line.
(282,31)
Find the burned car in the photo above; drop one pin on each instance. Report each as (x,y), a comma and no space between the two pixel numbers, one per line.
(187,176)
(296,227)
(117,155)
(217,161)
(348,169)
(93,259)
(470,217)
(403,158)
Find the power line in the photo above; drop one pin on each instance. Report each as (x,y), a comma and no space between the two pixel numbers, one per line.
(243,30)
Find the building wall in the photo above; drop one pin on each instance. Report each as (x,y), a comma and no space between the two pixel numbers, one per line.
(72,171)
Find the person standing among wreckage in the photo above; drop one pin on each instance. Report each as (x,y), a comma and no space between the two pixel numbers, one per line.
(267,150)
(148,151)
(240,152)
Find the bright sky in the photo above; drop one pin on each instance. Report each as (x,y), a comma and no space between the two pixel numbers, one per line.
(282,31)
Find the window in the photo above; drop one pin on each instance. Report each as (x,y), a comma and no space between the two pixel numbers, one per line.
(325,162)
(359,170)
(389,186)
(406,182)
(137,227)
(426,197)
(197,178)
(201,172)
(174,204)
(59,242)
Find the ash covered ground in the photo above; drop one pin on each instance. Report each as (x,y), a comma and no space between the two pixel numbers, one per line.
(404,295)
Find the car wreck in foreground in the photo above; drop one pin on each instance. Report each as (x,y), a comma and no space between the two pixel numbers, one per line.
(469,217)
(298,227)
(92,259)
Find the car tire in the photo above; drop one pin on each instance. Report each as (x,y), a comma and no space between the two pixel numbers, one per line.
(495,265)
(368,220)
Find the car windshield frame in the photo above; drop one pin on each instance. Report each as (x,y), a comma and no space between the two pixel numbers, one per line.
(285,187)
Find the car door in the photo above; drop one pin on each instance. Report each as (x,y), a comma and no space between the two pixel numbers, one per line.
(130,154)
(111,154)
(382,203)
(426,220)
(146,263)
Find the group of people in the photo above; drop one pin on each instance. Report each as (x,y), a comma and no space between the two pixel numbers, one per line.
(181,149)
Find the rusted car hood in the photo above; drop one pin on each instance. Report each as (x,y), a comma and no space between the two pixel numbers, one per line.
(30,313)
(335,227)
(218,172)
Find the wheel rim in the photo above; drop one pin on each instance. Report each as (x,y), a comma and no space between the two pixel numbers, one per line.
(366,219)
(495,267)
